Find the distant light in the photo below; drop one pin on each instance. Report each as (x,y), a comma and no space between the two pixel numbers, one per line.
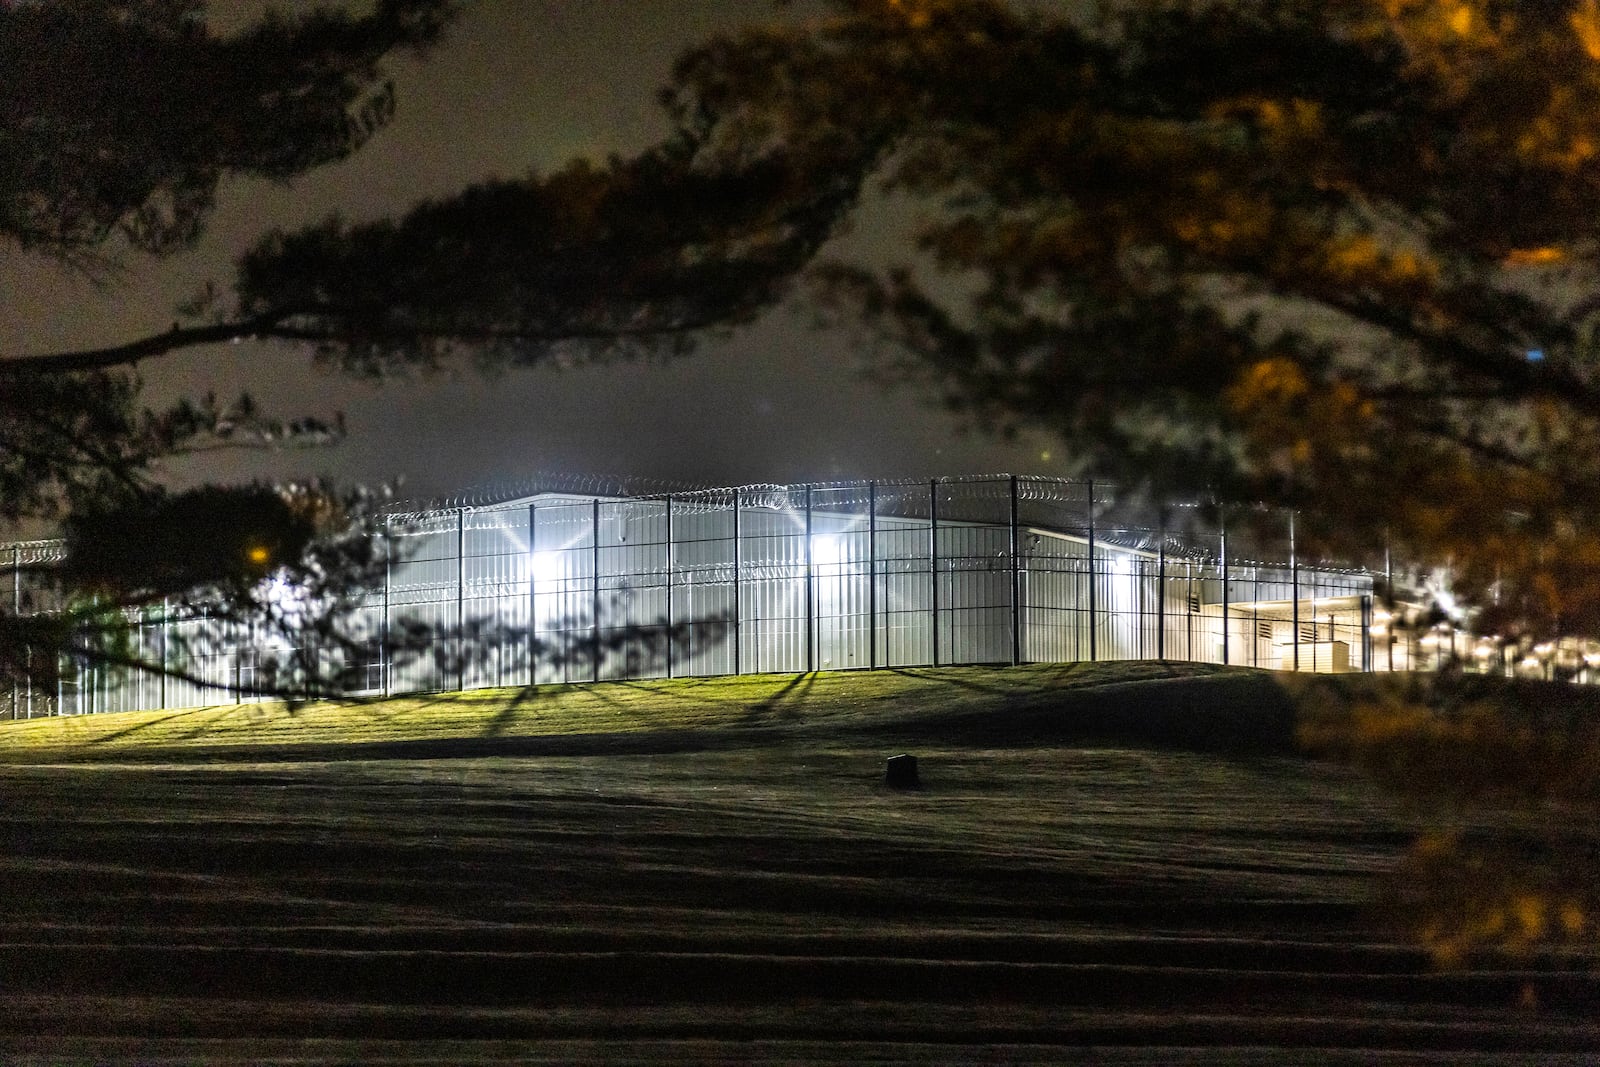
(260,555)
(1535,355)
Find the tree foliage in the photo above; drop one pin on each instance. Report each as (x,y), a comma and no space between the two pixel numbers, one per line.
(132,114)
(623,258)
(1336,254)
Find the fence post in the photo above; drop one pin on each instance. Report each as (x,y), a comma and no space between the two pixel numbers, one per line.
(1161,582)
(1388,591)
(933,561)
(1222,527)
(385,649)
(594,604)
(166,638)
(16,614)
(1366,634)
(1293,595)
(1255,617)
(1094,607)
(738,607)
(533,594)
(811,594)
(1016,582)
(669,586)
(872,574)
(461,595)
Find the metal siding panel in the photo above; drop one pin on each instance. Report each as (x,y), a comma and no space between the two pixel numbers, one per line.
(702,561)
(633,600)
(840,547)
(905,594)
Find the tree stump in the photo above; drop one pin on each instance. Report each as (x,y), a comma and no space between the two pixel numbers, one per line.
(901,772)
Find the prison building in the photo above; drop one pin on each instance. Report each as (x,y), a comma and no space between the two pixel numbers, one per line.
(561,587)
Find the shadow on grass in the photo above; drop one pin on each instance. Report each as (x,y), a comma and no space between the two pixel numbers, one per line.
(1225,714)
(206,723)
(685,689)
(596,743)
(782,705)
(137,728)
(596,691)
(403,705)
(1237,712)
(944,677)
(497,726)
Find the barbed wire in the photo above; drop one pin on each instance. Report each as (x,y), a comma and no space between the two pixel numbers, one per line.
(1131,522)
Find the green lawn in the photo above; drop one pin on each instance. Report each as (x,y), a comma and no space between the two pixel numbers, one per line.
(1131,857)
(763,701)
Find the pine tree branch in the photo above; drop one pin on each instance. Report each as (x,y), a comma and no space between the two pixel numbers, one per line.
(150,347)
(276,325)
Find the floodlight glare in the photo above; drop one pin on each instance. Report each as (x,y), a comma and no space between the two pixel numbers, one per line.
(546,567)
(825,550)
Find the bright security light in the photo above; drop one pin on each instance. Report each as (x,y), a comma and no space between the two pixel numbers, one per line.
(1451,606)
(546,567)
(825,550)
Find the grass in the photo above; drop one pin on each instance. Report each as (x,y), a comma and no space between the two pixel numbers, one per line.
(1128,856)
(877,700)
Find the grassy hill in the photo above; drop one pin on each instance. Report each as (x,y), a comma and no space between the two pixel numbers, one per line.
(1193,705)
(1129,857)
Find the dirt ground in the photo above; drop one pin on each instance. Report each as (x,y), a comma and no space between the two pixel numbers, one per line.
(1058,890)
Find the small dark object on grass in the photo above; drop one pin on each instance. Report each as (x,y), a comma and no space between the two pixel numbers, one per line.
(902,772)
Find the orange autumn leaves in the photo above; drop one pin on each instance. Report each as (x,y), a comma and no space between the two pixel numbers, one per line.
(1526,754)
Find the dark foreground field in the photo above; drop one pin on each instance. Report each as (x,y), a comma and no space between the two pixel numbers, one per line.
(1104,866)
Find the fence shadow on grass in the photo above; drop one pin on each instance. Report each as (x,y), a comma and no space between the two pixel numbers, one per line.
(781,706)
(136,728)
(497,726)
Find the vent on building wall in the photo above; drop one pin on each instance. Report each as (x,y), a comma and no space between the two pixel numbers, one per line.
(1194,604)
(1264,631)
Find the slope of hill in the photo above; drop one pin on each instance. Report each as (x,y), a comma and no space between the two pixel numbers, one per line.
(1123,863)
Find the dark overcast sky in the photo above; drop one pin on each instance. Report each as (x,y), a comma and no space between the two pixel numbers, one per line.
(520,84)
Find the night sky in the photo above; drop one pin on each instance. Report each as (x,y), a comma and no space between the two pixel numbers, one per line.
(519,84)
